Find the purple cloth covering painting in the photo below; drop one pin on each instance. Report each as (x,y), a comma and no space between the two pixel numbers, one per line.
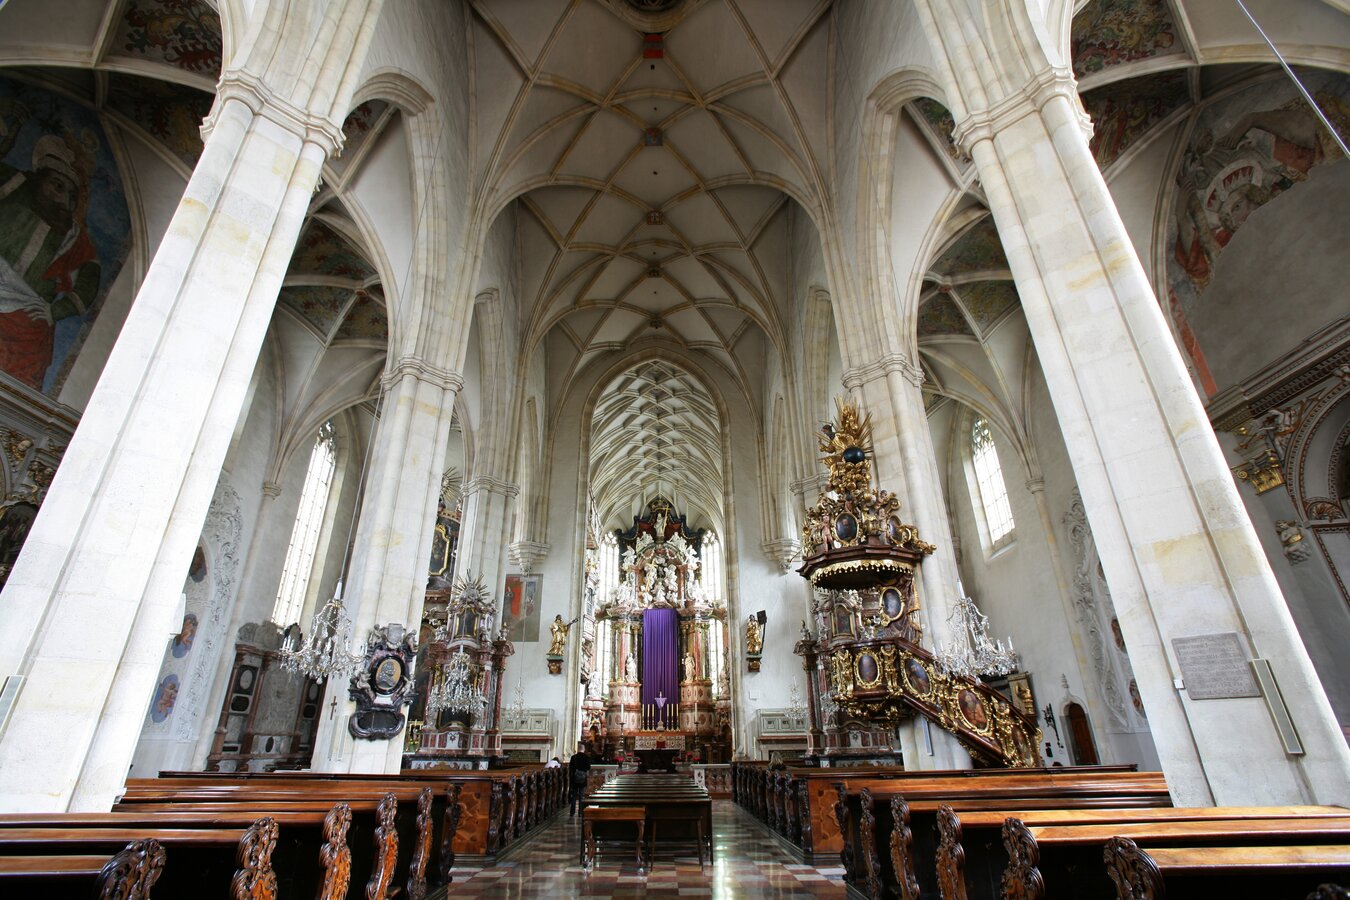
(661,660)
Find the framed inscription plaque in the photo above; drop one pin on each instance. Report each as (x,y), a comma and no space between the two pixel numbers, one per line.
(1214,666)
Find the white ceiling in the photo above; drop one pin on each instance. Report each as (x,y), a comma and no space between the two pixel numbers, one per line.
(563,99)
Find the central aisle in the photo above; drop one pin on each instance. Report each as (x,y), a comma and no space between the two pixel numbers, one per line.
(749,864)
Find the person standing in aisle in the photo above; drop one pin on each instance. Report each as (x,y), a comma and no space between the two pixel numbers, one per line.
(578,770)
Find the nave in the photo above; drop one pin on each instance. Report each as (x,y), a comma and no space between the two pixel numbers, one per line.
(748,862)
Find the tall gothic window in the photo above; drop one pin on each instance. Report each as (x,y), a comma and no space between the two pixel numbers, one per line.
(308,522)
(989,478)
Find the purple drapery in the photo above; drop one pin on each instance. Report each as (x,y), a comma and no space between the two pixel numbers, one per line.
(661,660)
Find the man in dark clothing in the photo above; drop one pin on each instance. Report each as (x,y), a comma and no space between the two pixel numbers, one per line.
(578,769)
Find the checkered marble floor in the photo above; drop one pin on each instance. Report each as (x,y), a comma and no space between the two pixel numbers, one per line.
(749,864)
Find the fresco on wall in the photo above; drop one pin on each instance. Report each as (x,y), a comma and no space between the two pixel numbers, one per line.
(170,113)
(166,695)
(1124,111)
(1109,33)
(367,320)
(520,607)
(318,305)
(322,251)
(940,315)
(175,670)
(1244,152)
(184,34)
(938,119)
(978,250)
(357,129)
(987,301)
(64,231)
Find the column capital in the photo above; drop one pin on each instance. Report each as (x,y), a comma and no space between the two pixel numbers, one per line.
(1036,485)
(271,489)
(422,370)
(528,554)
(1049,84)
(493,485)
(782,551)
(896,362)
(249,89)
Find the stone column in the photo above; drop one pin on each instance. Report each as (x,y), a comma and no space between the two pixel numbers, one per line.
(88,604)
(388,576)
(484,530)
(1177,547)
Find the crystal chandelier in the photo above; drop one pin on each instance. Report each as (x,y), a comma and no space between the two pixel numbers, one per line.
(971,653)
(796,709)
(323,654)
(517,709)
(455,692)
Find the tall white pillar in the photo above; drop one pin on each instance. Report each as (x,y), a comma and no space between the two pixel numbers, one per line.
(89,602)
(1177,547)
(388,577)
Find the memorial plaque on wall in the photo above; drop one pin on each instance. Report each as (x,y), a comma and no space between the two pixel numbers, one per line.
(1214,666)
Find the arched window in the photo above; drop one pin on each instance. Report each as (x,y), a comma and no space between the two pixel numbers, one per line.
(308,522)
(989,481)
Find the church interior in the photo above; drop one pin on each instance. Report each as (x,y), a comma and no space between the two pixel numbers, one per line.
(821,426)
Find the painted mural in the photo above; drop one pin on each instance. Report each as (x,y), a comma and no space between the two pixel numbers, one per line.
(1124,111)
(986,302)
(1109,33)
(170,113)
(64,231)
(941,315)
(1244,152)
(367,320)
(322,251)
(978,250)
(176,669)
(184,34)
(318,305)
(938,119)
(520,607)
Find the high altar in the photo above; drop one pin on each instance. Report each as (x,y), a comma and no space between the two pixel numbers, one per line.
(661,657)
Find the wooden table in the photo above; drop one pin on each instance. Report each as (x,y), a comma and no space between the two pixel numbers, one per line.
(674,804)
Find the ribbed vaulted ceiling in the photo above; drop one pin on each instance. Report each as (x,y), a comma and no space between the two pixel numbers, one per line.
(656,431)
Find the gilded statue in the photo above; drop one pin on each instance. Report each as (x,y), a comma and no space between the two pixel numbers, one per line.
(754,636)
(558,634)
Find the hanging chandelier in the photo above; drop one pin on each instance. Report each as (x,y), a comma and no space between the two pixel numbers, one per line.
(323,653)
(454,692)
(972,654)
(796,708)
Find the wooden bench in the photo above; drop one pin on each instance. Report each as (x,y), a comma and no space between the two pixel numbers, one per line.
(311,843)
(1269,872)
(970,857)
(672,801)
(1066,860)
(592,815)
(866,823)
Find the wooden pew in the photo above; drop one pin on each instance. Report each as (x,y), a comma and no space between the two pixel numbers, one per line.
(673,805)
(810,796)
(129,874)
(1052,861)
(864,809)
(970,857)
(1291,872)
